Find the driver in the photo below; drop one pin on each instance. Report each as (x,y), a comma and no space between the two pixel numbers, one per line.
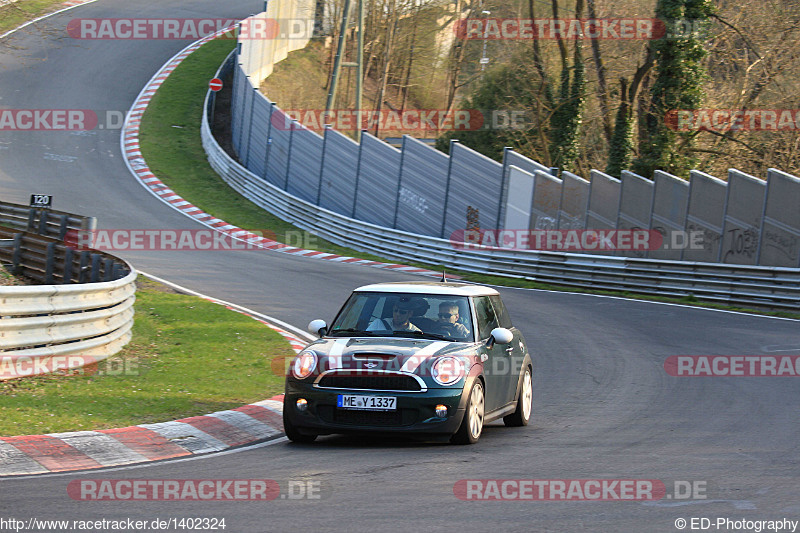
(402,311)
(448,320)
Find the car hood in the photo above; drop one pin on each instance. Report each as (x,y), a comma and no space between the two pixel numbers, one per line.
(356,353)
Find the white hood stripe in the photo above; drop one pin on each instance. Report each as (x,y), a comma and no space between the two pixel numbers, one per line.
(335,354)
(413,362)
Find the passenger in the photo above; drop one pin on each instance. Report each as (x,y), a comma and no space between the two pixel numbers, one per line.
(448,320)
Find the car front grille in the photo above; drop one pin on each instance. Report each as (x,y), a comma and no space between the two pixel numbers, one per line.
(380,382)
(367,418)
(401,417)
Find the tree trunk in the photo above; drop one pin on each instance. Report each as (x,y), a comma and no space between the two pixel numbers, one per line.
(391,27)
(602,87)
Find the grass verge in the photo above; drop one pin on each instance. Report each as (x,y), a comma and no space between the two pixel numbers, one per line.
(6,278)
(171,144)
(17,13)
(188,357)
(169,137)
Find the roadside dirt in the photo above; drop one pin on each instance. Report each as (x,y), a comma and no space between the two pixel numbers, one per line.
(6,278)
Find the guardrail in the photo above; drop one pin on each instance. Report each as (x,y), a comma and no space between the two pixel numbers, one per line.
(44,221)
(775,287)
(49,261)
(84,312)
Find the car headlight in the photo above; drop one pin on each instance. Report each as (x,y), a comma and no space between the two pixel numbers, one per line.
(447,370)
(304,364)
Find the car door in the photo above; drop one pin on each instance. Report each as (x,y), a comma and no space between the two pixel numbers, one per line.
(497,368)
(515,355)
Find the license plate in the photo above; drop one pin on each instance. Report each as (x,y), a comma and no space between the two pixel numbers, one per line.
(368,403)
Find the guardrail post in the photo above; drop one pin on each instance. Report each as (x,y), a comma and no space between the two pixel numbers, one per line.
(289,156)
(64,227)
(68,265)
(97,262)
(399,182)
(269,140)
(244,106)
(322,162)
(89,224)
(50,262)
(16,258)
(86,258)
(108,269)
(31,218)
(211,109)
(761,230)
(503,196)
(250,130)
(453,142)
(358,174)
(42,222)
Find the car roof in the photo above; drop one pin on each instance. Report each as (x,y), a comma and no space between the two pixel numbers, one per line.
(430,287)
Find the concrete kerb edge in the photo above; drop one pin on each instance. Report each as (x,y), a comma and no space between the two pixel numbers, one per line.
(70,5)
(223,430)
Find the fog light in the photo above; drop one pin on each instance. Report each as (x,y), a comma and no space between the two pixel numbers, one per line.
(441,411)
(302,404)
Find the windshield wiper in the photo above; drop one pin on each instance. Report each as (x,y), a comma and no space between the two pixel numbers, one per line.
(360,333)
(422,333)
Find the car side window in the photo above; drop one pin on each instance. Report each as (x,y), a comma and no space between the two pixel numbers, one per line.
(487,320)
(501,311)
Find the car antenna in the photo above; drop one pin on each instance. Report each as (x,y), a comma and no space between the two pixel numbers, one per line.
(444,278)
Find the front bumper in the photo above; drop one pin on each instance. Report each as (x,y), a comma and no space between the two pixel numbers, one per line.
(414,413)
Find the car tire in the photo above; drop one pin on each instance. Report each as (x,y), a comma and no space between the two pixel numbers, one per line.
(472,424)
(292,433)
(522,415)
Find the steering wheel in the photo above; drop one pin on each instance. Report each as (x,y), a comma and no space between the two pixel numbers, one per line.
(448,329)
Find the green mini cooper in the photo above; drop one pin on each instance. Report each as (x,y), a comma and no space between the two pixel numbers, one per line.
(433,358)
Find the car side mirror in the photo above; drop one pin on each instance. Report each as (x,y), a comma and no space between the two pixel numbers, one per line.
(318,327)
(500,336)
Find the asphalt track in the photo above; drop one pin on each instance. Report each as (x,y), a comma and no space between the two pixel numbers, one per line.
(604,406)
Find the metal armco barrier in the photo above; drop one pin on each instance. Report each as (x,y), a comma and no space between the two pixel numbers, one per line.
(81,315)
(44,221)
(776,287)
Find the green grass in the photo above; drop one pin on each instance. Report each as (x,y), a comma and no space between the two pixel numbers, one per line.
(176,156)
(6,278)
(188,357)
(15,14)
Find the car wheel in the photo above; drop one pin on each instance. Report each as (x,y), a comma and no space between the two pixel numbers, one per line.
(292,432)
(472,424)
(522,415)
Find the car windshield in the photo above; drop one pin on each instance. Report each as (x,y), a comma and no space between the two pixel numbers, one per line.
(434,316)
